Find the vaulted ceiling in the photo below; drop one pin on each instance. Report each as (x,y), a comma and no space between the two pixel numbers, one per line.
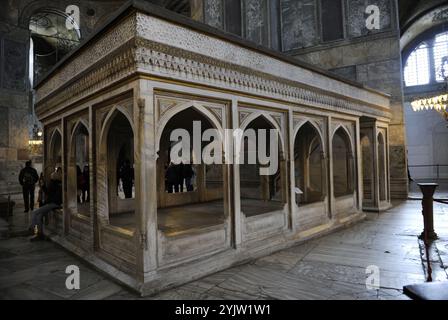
(412,10)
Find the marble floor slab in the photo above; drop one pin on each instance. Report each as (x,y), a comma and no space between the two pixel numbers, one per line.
(331,267)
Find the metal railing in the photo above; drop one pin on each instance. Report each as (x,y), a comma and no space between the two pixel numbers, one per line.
(437,166)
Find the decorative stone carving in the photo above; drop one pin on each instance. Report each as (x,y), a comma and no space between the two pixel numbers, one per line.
(278,119)
(218,112)
(243,116)
(214,13)
(299,26)
(165,104)
(159,59)
(100,50)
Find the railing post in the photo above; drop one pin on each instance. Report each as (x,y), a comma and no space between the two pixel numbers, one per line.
(428,190)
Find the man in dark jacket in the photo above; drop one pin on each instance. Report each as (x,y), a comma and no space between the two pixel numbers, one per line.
(126,174)
(28,178)
(188,174)
(171,178)
(53,201)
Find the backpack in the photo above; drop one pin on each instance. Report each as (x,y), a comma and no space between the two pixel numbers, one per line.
(28,178)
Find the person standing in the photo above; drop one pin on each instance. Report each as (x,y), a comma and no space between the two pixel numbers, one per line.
(180,178)
(27,178)
(85,189)
(42,190)
(188,174)
(171,179)
(127,178)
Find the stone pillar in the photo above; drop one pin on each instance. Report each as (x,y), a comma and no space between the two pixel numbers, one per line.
(65,198)
(367,130)
(237,230)
(329,142)
(358,166)
(292,178)
(145,179)
(14,102)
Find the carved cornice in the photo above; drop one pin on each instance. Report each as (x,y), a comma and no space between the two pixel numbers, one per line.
(114,67)
(163,60)
(120,53)
(87,58)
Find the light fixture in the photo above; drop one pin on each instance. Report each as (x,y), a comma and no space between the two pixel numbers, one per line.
(36,138)
(35,142)
(438,103)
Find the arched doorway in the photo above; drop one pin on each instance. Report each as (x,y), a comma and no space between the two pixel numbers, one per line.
(54,153)
(261,193)
(343,164)
(309,169)
(120,171)
(78,184)
(191,190)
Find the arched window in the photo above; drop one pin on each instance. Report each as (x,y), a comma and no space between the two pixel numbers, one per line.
(441,56)
(260,193)
(78,175)
(185,179)
(417,69)
(308,160)
(343,166)
(54,154)
(120,172)
(428,62)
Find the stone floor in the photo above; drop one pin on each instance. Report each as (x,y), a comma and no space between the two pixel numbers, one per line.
(331,267)
(199,215)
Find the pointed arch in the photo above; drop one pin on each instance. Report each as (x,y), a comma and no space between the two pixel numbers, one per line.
(54,134)
(168,115)
(252,117)
(110,118)
(347,134)
(315,127)
(309,165)
(343,162)
(80,123)
(380,138)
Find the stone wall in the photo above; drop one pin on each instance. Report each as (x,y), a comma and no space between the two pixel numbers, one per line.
(371,57)
(426,132)
(16,109)
(14,99)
